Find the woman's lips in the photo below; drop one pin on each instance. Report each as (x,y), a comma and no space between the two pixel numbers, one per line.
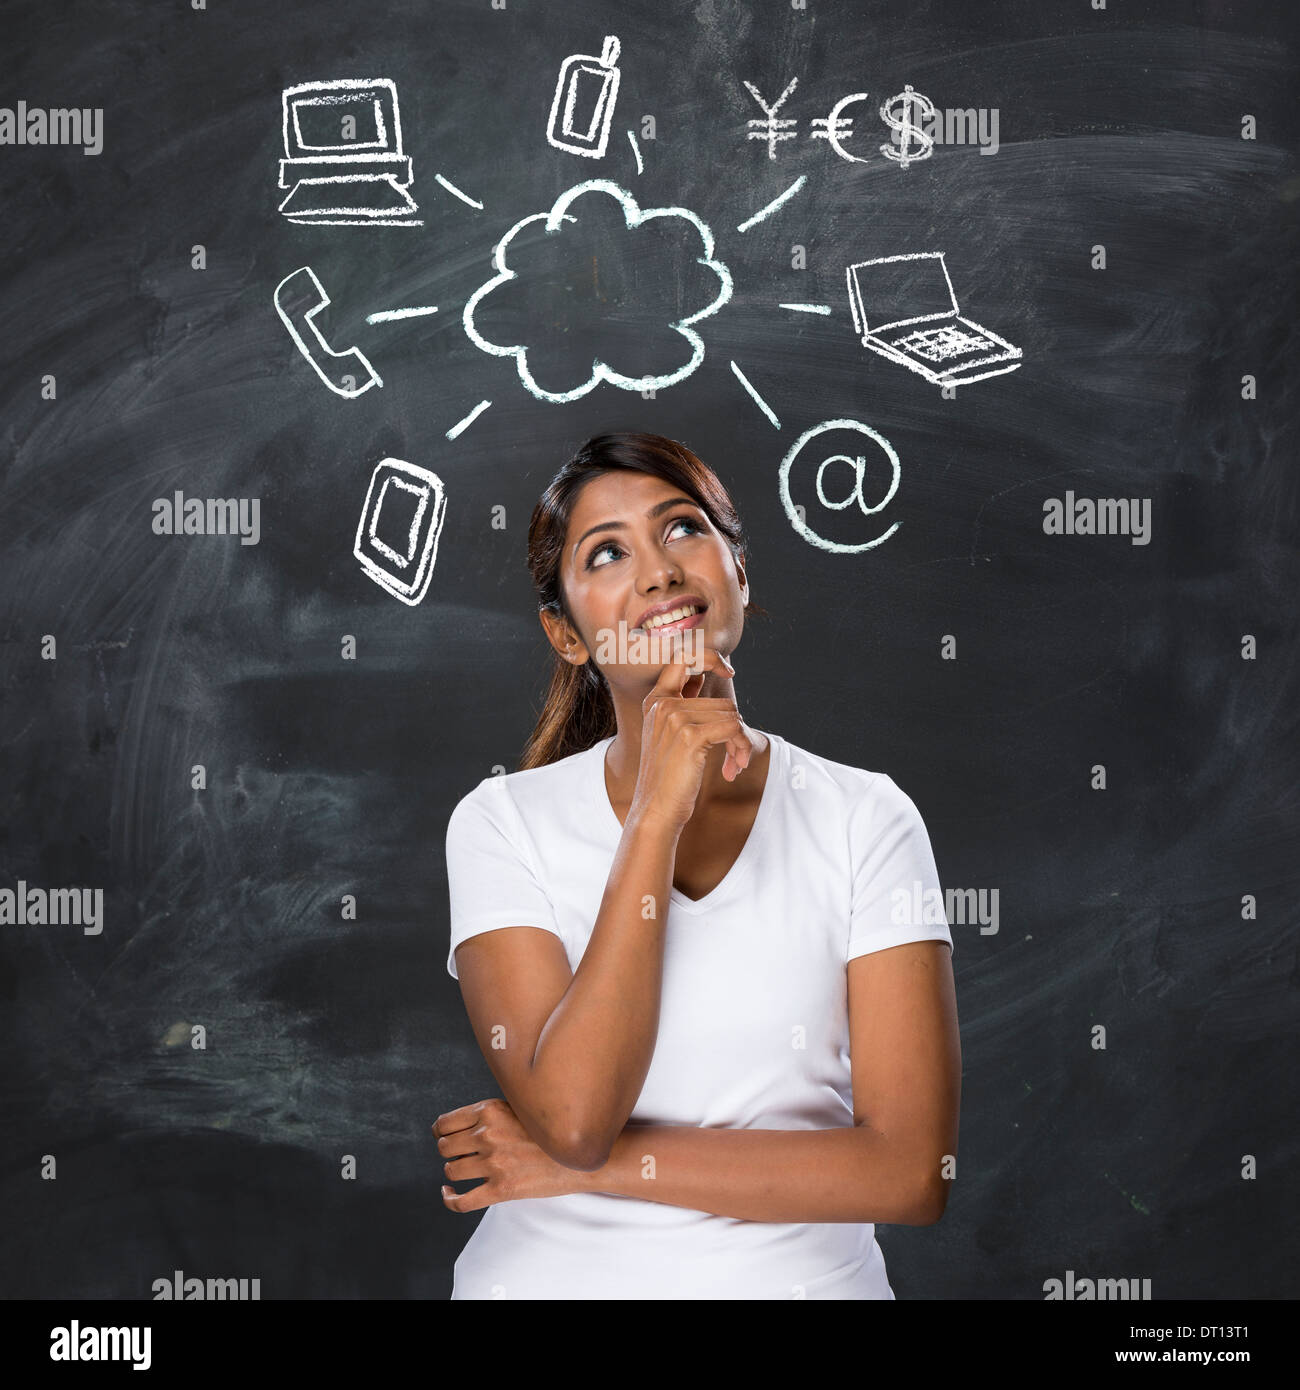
(681,625)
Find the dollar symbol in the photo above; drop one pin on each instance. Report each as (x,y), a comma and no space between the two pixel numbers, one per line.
(918,106)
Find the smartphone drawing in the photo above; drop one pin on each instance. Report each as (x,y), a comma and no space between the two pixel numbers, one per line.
(299,297)
(397,535)
(583,106)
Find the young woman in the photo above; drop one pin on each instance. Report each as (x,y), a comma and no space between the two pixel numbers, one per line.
(689,949)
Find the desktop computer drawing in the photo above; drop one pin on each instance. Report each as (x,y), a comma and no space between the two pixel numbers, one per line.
(343,161)
(904,308)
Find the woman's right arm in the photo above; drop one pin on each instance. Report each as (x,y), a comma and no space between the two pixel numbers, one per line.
(571,1049)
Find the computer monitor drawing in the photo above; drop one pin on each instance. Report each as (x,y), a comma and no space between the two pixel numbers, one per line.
(343,157)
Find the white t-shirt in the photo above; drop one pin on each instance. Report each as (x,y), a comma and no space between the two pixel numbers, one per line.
(753,1023)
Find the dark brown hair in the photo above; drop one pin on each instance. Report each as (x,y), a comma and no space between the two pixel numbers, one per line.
(578,711)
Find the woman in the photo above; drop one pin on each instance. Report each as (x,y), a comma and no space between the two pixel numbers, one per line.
(688,948)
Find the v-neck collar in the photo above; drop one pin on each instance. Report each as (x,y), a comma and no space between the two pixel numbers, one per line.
(776,774)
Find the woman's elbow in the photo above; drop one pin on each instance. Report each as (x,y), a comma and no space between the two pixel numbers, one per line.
(930,1204)
(580,1151)
(573,1137)
(577,1145)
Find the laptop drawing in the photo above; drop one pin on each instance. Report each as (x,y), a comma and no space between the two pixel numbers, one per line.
(343,160)
(904,308)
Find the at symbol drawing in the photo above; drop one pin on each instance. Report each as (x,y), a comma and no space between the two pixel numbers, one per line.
(855,462)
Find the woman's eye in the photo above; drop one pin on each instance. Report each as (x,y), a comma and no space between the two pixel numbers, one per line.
(610,545)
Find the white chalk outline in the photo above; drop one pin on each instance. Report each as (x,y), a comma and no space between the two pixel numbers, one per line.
(763,213)
(392,315)
(379,144)
(771,129)
(464,197)
(758,400)
(348,214)
(309,318)
(636,150)
(634,216)
(604,65)
(901,155)
(461,425)
(356,222)
(833,132)
(367,155)
(787,502)
(807,308)
(430,490)
(1007,352)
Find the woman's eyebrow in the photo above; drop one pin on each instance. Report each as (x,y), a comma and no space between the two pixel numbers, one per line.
(622,525)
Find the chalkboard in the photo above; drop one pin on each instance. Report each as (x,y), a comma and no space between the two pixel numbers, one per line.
(985,317)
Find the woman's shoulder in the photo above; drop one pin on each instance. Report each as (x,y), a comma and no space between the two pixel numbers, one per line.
(852,788)
(806,763)
(530,789)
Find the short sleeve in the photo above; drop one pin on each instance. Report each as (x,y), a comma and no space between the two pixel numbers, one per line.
(897,896)
(491,878)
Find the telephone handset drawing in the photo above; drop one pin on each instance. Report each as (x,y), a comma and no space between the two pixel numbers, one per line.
(299,297)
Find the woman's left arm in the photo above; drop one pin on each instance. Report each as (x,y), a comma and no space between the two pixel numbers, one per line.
(891,1166)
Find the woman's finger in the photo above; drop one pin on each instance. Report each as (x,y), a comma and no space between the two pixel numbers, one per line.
(684,678)
(722,728)
(465,1168)
(474,1200)
(465,1117)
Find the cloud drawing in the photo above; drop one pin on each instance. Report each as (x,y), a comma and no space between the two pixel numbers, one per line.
(598,281)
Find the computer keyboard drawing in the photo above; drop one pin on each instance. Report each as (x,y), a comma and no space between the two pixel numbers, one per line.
(936,344)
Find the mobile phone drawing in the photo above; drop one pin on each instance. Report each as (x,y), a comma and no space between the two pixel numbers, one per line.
(397,534)
(583,105)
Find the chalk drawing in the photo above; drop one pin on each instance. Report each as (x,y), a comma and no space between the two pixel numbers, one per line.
(583,106)
(464,197)
(807,308)
(763,213)
(891,295)
(343,161)
(392,315)
(836,126)
(911,108)
(299,297)
(634,217)
(758,400)
(856,463)
(461,425)
(915,123)
(636,150)
(769,127)
(401,559)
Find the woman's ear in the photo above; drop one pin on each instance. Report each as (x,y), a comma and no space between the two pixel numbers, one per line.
(742,579)
(562,637)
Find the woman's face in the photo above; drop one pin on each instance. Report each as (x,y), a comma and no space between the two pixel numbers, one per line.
(636,543)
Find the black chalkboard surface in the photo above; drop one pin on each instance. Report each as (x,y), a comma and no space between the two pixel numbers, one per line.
(985,316)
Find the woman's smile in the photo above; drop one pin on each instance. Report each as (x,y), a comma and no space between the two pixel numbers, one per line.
(693,618)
